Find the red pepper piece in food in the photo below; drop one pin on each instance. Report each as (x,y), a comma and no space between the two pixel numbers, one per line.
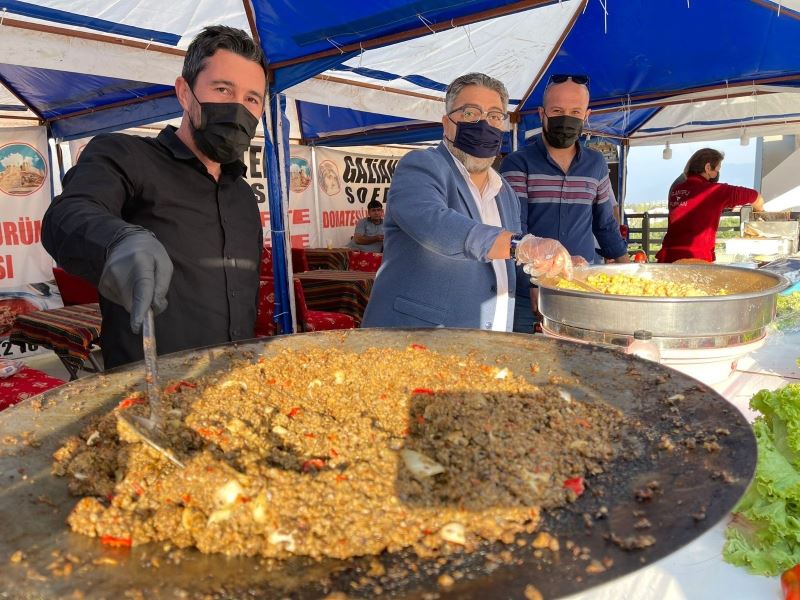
(116,542)
(313,464)
(293,412)
(130,401)
(575,484)
(176,387)
(422,392)
(419,347)
(790,583)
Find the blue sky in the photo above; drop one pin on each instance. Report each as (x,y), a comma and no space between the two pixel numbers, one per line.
(649,175)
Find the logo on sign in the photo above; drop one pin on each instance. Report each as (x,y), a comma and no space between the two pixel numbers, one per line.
(329,178)
(23,169)
(299,174)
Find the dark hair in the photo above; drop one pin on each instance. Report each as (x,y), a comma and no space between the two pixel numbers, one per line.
(697,163)
(219,37)
(481,79)
(374,204)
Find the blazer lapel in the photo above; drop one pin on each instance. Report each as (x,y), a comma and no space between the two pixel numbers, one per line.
(506,219)
(461,184)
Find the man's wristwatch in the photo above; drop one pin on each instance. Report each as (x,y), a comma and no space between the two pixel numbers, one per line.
(515,240)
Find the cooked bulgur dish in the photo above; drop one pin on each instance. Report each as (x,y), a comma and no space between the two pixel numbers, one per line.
(324,452)
(631,285)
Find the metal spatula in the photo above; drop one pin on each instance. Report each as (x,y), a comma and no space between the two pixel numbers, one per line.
(150,430)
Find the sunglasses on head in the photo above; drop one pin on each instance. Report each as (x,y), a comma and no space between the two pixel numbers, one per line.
(562,77)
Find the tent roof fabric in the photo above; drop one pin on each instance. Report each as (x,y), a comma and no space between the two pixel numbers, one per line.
(85,67)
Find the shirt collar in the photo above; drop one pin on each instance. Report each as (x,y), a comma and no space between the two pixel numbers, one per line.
(169,139)
(495,183)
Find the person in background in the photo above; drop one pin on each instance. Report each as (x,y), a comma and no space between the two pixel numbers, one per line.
(368,235)
(452,227)
(169,223)
(563,187)
(695,208)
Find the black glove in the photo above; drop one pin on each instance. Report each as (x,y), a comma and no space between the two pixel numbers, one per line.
(136,274)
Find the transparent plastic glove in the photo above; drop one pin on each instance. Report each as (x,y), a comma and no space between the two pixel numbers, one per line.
(136,275)
(579,261)
(544,257)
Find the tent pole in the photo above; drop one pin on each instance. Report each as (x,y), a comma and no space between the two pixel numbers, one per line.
(282,145)
(282,307)
(514,142)
(317,214)
(622,175)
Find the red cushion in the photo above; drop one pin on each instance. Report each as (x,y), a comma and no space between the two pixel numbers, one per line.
(299,260)
(364,261)
(25,384)
(266,262)
(74,289)
(318,320)
(265,325)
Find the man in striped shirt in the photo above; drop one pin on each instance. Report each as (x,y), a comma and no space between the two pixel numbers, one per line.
(563,187)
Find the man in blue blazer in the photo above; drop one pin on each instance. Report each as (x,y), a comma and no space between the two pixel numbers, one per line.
(452,225)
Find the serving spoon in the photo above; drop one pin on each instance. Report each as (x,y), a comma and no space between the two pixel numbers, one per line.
(150,430)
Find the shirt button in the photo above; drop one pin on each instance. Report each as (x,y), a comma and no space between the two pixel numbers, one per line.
(233,293)
(488,324)
(493,288)
(234,332)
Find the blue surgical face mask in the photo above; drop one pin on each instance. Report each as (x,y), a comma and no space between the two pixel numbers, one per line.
(477,139)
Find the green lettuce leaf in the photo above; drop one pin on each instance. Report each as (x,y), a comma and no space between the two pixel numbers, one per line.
(764,534)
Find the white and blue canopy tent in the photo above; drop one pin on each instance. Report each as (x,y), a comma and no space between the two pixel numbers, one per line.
(375,72)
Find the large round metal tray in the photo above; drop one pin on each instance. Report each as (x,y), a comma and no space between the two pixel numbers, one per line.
(696,487)
(739,317)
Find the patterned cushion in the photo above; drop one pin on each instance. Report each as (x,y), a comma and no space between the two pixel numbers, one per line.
(365,261)
(318,320)
(25,384)
(266,262)
(265,325)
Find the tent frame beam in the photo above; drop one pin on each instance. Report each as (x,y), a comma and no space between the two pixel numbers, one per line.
(662,98)
(164,94)
(381,88)
(550,58)
(96,37)
(417,32)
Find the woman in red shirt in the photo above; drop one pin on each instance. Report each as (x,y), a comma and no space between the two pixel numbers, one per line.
(696,205)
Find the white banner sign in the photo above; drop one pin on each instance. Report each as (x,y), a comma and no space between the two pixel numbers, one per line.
(25,268)
(302,222)
(347,183)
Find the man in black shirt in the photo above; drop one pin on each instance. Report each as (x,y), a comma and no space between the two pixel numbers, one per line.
(169,222)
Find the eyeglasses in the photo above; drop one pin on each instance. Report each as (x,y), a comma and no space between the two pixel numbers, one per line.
(562,77)
(473,114)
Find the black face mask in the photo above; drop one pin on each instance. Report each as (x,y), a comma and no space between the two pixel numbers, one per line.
(562,131)
(225,130)
(477,139)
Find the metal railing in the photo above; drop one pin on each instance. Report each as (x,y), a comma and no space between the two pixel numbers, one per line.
(648,237)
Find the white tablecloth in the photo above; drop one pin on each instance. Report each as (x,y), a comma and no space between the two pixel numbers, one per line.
(697,571)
